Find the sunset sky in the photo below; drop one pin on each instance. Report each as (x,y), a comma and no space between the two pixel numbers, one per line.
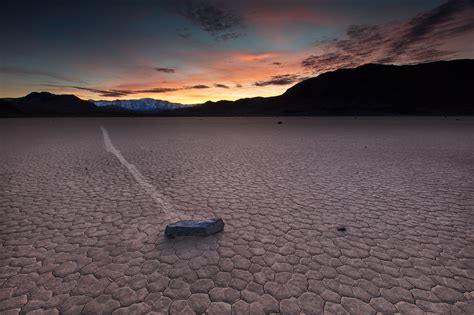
(194,51)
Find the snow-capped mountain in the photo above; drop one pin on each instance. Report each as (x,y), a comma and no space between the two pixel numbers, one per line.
(144,104)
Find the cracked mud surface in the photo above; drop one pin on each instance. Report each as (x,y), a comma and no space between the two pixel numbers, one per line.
(78,233)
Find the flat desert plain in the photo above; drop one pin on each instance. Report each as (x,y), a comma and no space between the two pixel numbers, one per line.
(323,215)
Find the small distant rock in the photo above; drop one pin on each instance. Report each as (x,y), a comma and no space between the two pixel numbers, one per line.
(341,229)
(194,228)
(280,122)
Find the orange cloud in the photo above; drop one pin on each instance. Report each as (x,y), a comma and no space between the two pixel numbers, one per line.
(249,56)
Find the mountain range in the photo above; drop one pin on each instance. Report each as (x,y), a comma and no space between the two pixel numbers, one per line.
(142,105)
(47,104)
(436,88)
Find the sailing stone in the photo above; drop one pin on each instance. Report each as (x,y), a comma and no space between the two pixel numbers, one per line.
(194,228)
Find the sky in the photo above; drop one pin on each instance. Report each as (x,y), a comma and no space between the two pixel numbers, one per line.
(192,51)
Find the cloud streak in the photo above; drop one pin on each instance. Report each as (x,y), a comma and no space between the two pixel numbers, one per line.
(32,72)
(165,70)
(126,92)
(156,90)
(101,92)
(222,86)
(284,79)
(198,86)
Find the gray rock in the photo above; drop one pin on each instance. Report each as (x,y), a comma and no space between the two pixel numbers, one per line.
(194,228)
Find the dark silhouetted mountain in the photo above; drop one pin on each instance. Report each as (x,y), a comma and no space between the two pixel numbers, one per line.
(41,104)
(8,109)
(437,88)
(47,104)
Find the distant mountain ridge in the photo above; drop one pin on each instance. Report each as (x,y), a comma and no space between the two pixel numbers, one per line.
(436,88)
(143,104)
(47,104)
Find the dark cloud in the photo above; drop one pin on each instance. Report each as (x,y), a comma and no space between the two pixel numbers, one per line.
(109,93)
(165,70)
(184,35)
(283,79)
(167,90)
(158,90)
(333,60)
(276,63)
(184,32)
(112,93)
(214,17)
(223,86)
(229,36)
(425,26)
(419,39)
(199,86)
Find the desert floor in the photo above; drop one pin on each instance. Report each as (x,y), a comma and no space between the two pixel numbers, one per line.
(84,203)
